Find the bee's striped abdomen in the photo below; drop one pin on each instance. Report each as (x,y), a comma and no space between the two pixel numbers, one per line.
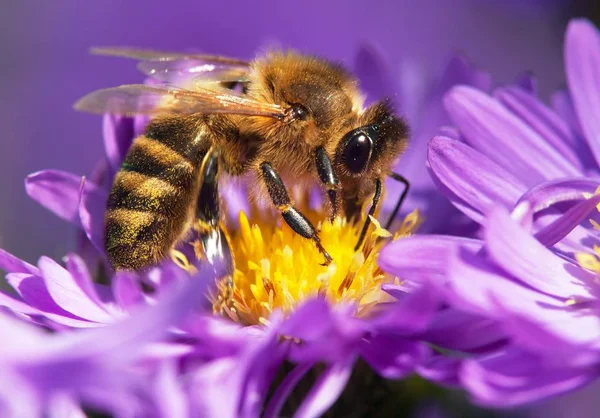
(153,194)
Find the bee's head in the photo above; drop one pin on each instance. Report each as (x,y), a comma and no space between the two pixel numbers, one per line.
(367,151)
(371,148)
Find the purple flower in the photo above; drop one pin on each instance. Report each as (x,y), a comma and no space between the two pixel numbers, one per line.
(533,277)
(489,160)
(52,373)
(210,366)
(535,313)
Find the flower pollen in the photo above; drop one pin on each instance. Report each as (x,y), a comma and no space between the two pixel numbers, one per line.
(589,261)
(276,268)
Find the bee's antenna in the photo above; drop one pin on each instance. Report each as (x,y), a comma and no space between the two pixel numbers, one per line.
(406,183)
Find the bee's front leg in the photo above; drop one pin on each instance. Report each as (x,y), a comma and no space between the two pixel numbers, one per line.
(329,179)
(376,197)
(212,236)
(294,218)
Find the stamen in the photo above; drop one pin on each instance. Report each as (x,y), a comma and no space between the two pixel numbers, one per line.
(586,195)
(276,269)
(570,302)
(379,231)
(588,261)
(182,261)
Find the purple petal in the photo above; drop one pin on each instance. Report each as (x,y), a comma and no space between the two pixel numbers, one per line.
(124,340)
(68,295)
(16,305)
(91,212)
(310,321)
(463,206)
(64,406)
(441,369)
(82,279)
(496,132)
(127,290)
(18,397)
(213,387)
(460,331)
(236,386)
(472,177)
(542,119)
(527,259)
(139,124)
(118,135)
(563,105)
(460,70)
(168,350)
(391,356)
(235,193)
(551,192)
(328,333)
(12,264)
(373,72)
(92,364)
(527,82)
(419,258)
(582,67)
(514,378)
(57,191)
(221,338)
(534,319)
(411,312)
(473,284)
(326,390)
(283,390)
(34,292)
(561,227)
(169,395)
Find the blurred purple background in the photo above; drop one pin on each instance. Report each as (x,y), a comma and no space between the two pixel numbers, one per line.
(46,67)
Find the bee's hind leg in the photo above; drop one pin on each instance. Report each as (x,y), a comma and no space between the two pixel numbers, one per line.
(292,216)
(212,236)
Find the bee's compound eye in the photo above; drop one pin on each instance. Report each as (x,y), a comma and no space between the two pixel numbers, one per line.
(357,151)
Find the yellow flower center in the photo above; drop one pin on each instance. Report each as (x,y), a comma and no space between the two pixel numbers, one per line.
(276,269)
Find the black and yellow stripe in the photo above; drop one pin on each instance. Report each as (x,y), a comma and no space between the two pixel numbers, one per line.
(154,193)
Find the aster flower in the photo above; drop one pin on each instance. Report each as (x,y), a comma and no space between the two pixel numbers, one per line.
(52,373)
(533,277)
(534,312)
(487,160)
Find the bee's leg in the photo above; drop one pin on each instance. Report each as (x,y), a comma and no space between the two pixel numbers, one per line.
(405,182)
(212,236)
(328,178)
(296,220)
(363,232)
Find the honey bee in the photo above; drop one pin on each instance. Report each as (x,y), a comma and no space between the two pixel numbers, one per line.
(287,118)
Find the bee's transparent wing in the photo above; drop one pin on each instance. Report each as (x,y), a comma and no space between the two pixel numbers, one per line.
(153,55)
(182,69)
(193,72)
(136,99)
